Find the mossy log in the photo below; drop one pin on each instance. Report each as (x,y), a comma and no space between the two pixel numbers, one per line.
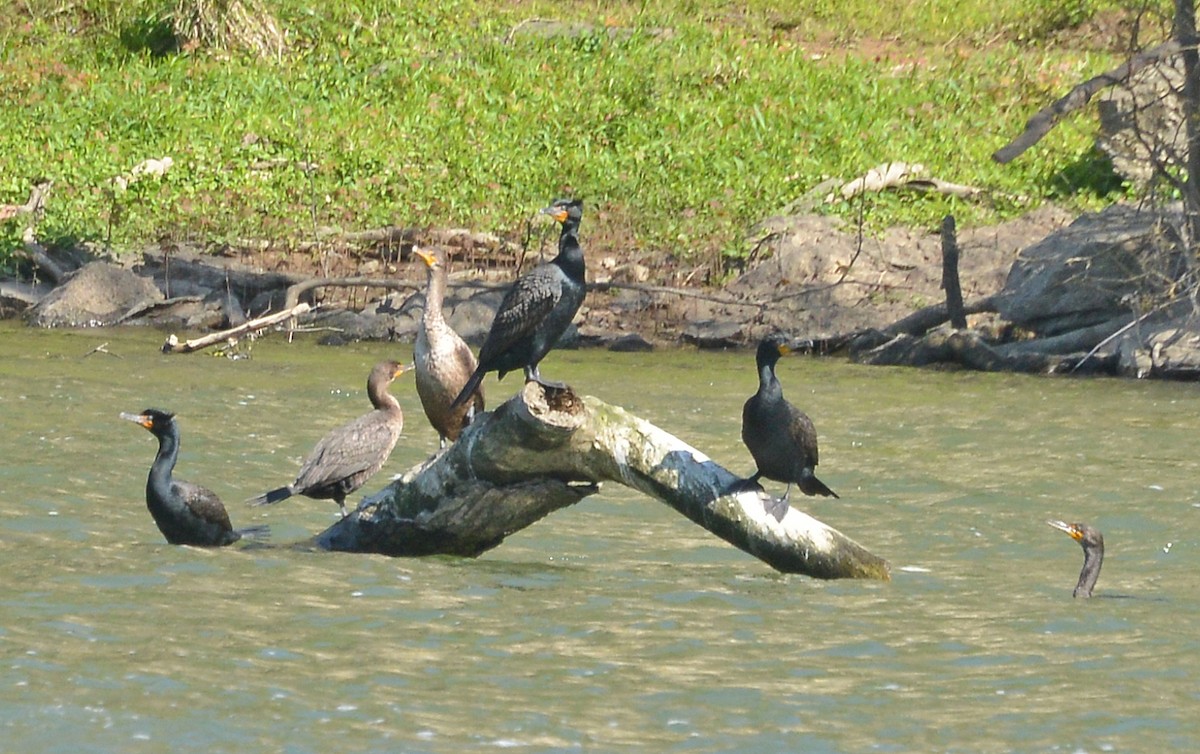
(546,449)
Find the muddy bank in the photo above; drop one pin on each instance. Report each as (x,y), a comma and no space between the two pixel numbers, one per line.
(1044,293)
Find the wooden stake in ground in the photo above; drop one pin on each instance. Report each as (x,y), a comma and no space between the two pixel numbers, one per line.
(546,449)
(950,282)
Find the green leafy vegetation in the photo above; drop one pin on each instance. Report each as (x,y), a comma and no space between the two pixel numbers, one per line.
(684,122)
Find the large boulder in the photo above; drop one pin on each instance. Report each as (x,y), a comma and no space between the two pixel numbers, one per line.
(1142,122)
(812,275)
(1093,270)
(95,295)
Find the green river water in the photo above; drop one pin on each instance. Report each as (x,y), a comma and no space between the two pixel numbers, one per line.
(614,625)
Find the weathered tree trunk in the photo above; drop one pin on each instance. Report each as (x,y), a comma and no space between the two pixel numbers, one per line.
(1185,35)
(546,449)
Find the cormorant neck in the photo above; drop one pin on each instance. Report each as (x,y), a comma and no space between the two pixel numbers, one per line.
(570,254)
(1093,558)
(435,294)
(767,382)
(164,462)
(381,399)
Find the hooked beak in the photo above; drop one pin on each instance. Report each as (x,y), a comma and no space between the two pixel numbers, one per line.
(1071,530)
(426,257)
(558,213)
(141,419)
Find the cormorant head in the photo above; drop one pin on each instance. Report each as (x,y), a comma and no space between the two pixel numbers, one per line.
(1088,537)
(153,419)
(771,348)
(433,258)
(386,371)
(566,210)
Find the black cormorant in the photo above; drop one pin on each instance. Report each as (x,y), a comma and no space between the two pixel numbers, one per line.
(1092,542)
(780,437)
(537,309)
(348,456)
(186,513)
(443,361)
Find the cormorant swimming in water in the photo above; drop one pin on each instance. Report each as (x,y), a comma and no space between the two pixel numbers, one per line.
(348,456)
(443,361)
(186,513)
(537,309)
(780,437)
(1092,542)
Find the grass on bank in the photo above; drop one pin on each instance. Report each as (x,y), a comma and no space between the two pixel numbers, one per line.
(421,113)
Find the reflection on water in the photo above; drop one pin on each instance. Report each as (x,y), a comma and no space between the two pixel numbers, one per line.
(616,623)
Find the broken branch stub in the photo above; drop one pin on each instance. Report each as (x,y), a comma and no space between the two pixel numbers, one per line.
(546,449)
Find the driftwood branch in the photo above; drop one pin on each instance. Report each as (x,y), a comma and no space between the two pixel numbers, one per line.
(1047,118)
(254,325)
(546,449)
(295,291)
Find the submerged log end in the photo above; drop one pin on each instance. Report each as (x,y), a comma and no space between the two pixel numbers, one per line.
(797,544)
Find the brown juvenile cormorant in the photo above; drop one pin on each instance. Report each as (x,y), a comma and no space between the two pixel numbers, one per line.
(348,456)
(186,513)
(780,437)
(1092,542)
(443,361)
(537,309)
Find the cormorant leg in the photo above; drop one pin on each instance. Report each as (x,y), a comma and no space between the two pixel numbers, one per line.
(742,485)
(341,501)
(532,375)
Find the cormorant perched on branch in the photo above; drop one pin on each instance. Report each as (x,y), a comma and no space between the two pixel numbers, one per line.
(186,513)
(443,361)
(1092,542)
(348,456)
(780,437)
(537,309)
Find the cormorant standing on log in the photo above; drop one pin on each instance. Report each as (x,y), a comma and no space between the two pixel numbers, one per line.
(186,513)
(780,437)
(443,361)
(1092,542)
(537,308)
(348,456)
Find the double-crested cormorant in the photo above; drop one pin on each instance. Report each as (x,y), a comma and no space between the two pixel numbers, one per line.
(186,513)
(348,456)
(537,309)
(443,361)
(781,438)
(1092,542)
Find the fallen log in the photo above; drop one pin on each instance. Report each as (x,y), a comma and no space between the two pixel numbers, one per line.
(546,449)
(968,349)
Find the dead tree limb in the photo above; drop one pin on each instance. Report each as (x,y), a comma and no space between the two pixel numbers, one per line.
(544,450)
(33,209)
(1048,117)
(254,325)
(296,290)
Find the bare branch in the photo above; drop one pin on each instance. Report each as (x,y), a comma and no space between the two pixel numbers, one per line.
(1047,118)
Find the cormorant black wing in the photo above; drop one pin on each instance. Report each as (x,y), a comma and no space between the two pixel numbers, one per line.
(202,502)
(529,301)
